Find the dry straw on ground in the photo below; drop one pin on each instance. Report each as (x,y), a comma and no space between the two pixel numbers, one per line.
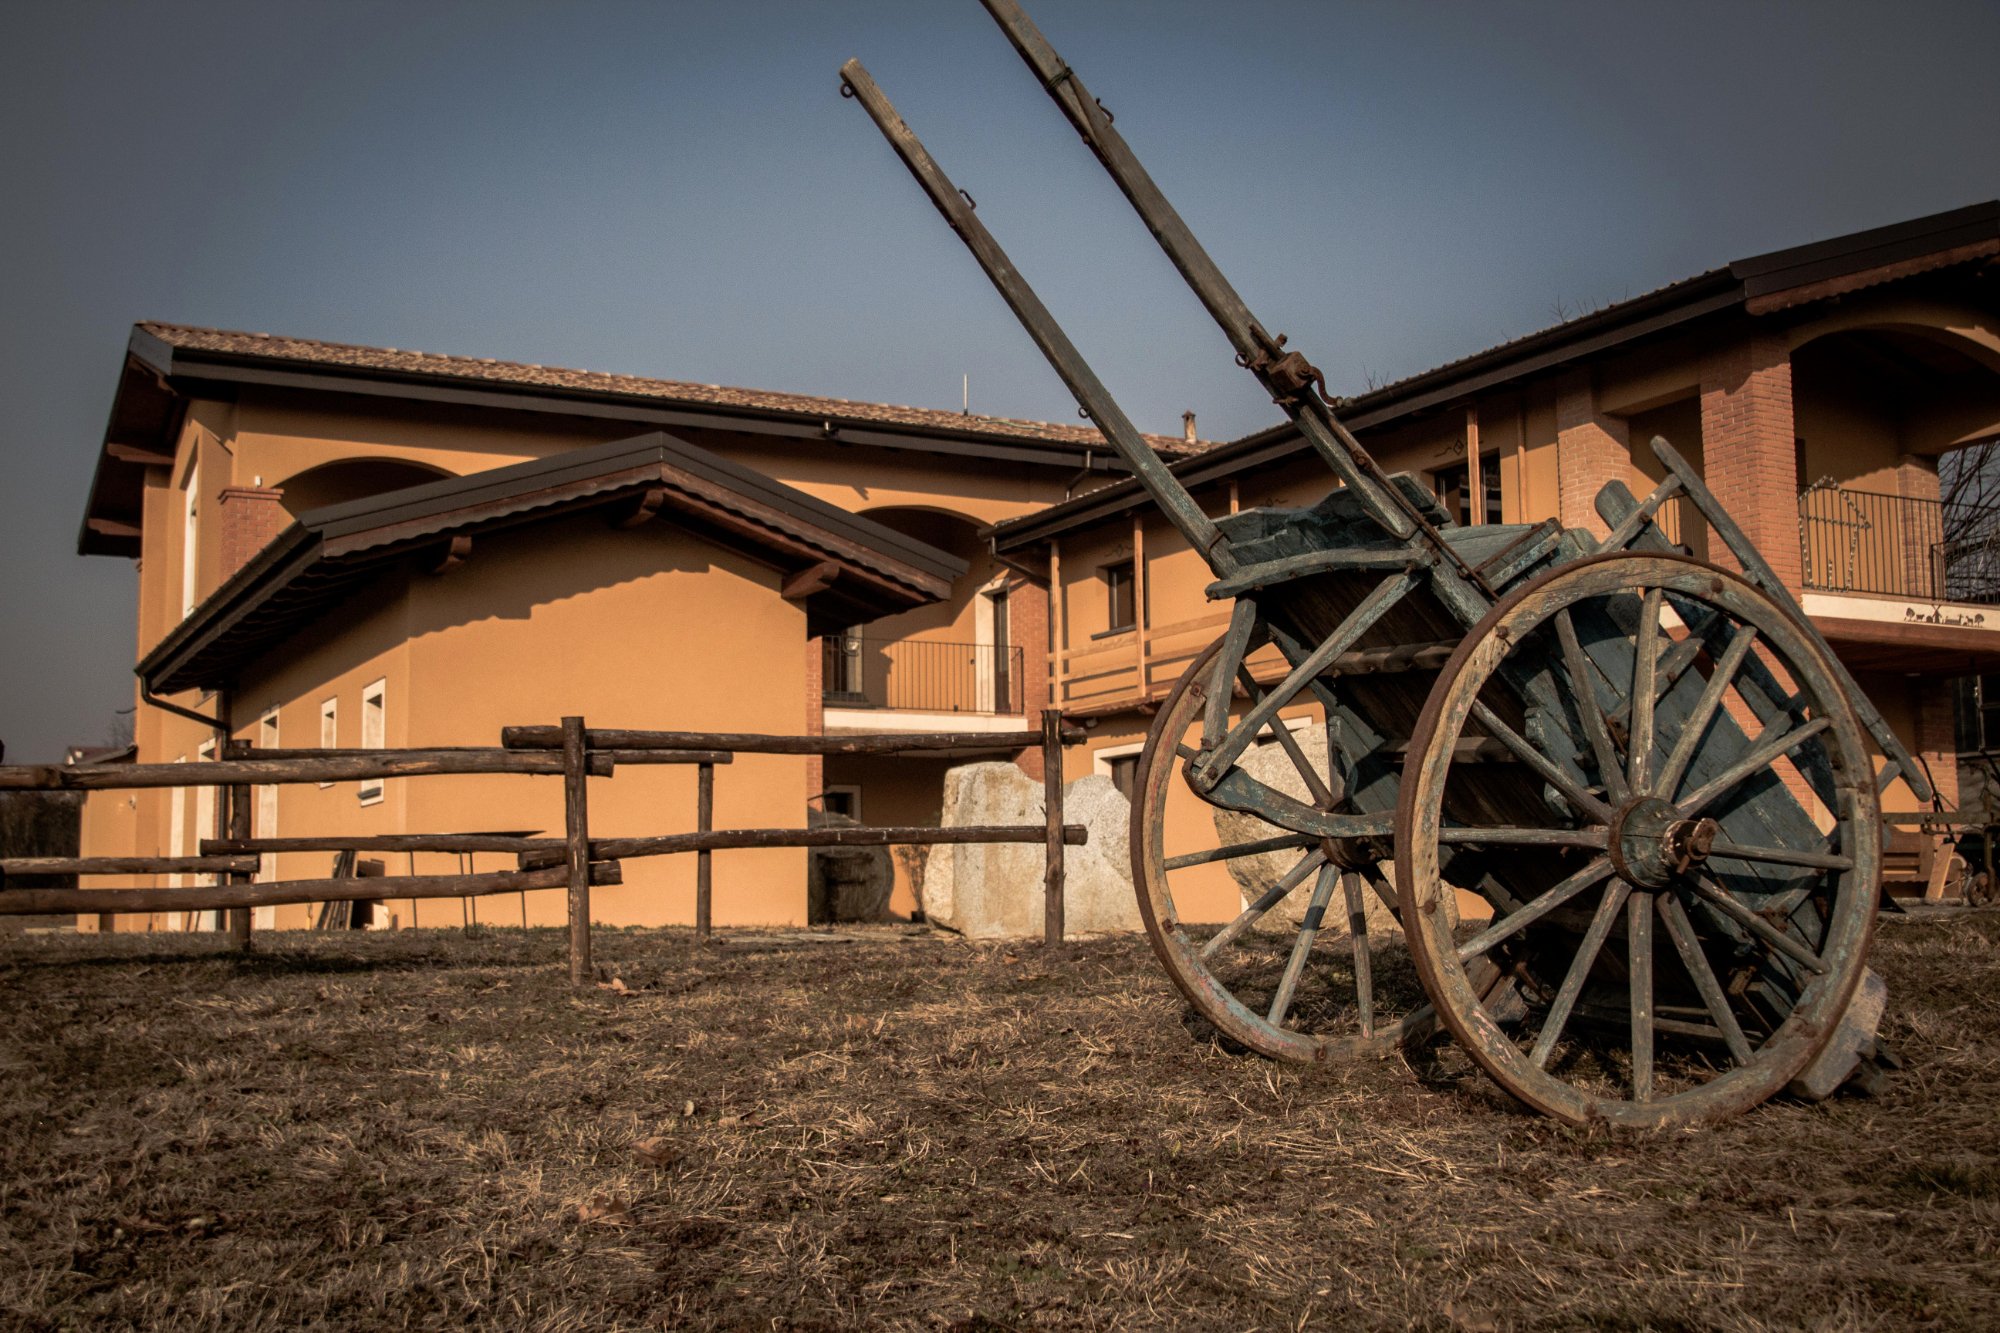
(905,1131)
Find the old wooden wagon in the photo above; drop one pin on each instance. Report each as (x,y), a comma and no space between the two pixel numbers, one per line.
(1652,770)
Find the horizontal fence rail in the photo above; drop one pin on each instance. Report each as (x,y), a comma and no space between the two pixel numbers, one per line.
(549,738)
(216,897)
(1899,545)
(921,674)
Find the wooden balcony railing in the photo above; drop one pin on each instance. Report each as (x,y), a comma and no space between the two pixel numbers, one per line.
(924,675)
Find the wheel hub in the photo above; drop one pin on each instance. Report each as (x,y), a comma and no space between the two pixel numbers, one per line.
(1650,843)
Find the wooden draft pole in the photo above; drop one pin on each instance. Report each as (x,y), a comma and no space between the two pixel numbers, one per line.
(704,821)
(576,833)
(1052,801)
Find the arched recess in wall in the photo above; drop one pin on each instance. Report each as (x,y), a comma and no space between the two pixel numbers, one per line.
(958,655)
(1896,419)
(352,479)
(1877,401)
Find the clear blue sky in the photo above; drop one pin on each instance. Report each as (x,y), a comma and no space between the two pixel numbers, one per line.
(677,189)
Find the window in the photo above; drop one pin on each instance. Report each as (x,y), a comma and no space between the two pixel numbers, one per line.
(374,707)
(190,543)
(1452,486)
(267,795)
(1119,601)
(176,836)
(1120,763)
(1978,714)
(329,727)
(843,801)
(204,810)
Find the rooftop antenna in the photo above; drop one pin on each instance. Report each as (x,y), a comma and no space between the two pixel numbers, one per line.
(965,395)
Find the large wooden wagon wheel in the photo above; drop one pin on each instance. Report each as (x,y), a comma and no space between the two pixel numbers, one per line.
(1287,970)
(1689,873)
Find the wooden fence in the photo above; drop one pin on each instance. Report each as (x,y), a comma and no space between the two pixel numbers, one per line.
(575,862)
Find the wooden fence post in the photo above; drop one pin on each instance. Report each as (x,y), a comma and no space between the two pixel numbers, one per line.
(576,832)
(1052,800)
(238,800)
(704,821)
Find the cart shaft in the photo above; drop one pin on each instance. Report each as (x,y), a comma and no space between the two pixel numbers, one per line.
(1173,498)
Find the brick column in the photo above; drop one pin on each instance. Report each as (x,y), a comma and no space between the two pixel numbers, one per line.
(1921,527)
(1937,736)
(815,718)
(250,516)
(1749,449)
(1591,449)
(1028,623)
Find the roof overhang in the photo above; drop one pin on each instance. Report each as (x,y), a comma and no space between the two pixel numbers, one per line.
(159,377)
(843,569)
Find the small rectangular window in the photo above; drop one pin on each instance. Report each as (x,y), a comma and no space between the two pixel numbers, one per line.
(843,801)
(190,542)
(177,833)
(204,815)
(1120,604)
(329,727)
(1453,488)
(267,795)
(374,727)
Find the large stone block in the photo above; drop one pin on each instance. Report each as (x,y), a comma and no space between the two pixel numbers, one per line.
(1270,765)
(995,890)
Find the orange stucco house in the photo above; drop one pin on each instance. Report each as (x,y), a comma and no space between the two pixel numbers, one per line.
(348,546)
(331,539)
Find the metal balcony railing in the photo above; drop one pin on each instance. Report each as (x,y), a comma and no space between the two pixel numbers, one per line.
(1898,545)
(920,674)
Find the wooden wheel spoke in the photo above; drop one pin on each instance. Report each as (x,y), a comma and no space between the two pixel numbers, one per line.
(1681,931)
(1541,763)
(1587,706)
(1526,837)
(1539,907)
(1228,661)
(1322,794)
(1295,966)
(1784,856)
(1357,935)
(1283,843)
(1639,965)
(1579,971)
(1270,898)
(1358,622)
(1645,669)
(1725,902)
(1704,710)
(1762,754)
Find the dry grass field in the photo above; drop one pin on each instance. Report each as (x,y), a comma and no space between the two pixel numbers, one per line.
(901,1130)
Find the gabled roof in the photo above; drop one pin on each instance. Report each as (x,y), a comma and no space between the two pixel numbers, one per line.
(844,568)
(167,363)
(1754,286)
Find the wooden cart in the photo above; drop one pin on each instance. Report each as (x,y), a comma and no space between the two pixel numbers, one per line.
(1653,771)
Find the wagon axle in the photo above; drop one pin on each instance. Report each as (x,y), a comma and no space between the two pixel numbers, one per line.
(1650,842)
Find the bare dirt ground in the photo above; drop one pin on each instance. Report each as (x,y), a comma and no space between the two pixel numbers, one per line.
(906,1131)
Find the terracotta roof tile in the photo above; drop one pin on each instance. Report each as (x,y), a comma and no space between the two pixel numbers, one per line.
(396,361)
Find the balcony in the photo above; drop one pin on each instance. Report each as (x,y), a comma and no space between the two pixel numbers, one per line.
(1899,546)
(921,675)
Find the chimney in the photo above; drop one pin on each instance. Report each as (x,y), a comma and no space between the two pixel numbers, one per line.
(251,517)
(1187,427)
